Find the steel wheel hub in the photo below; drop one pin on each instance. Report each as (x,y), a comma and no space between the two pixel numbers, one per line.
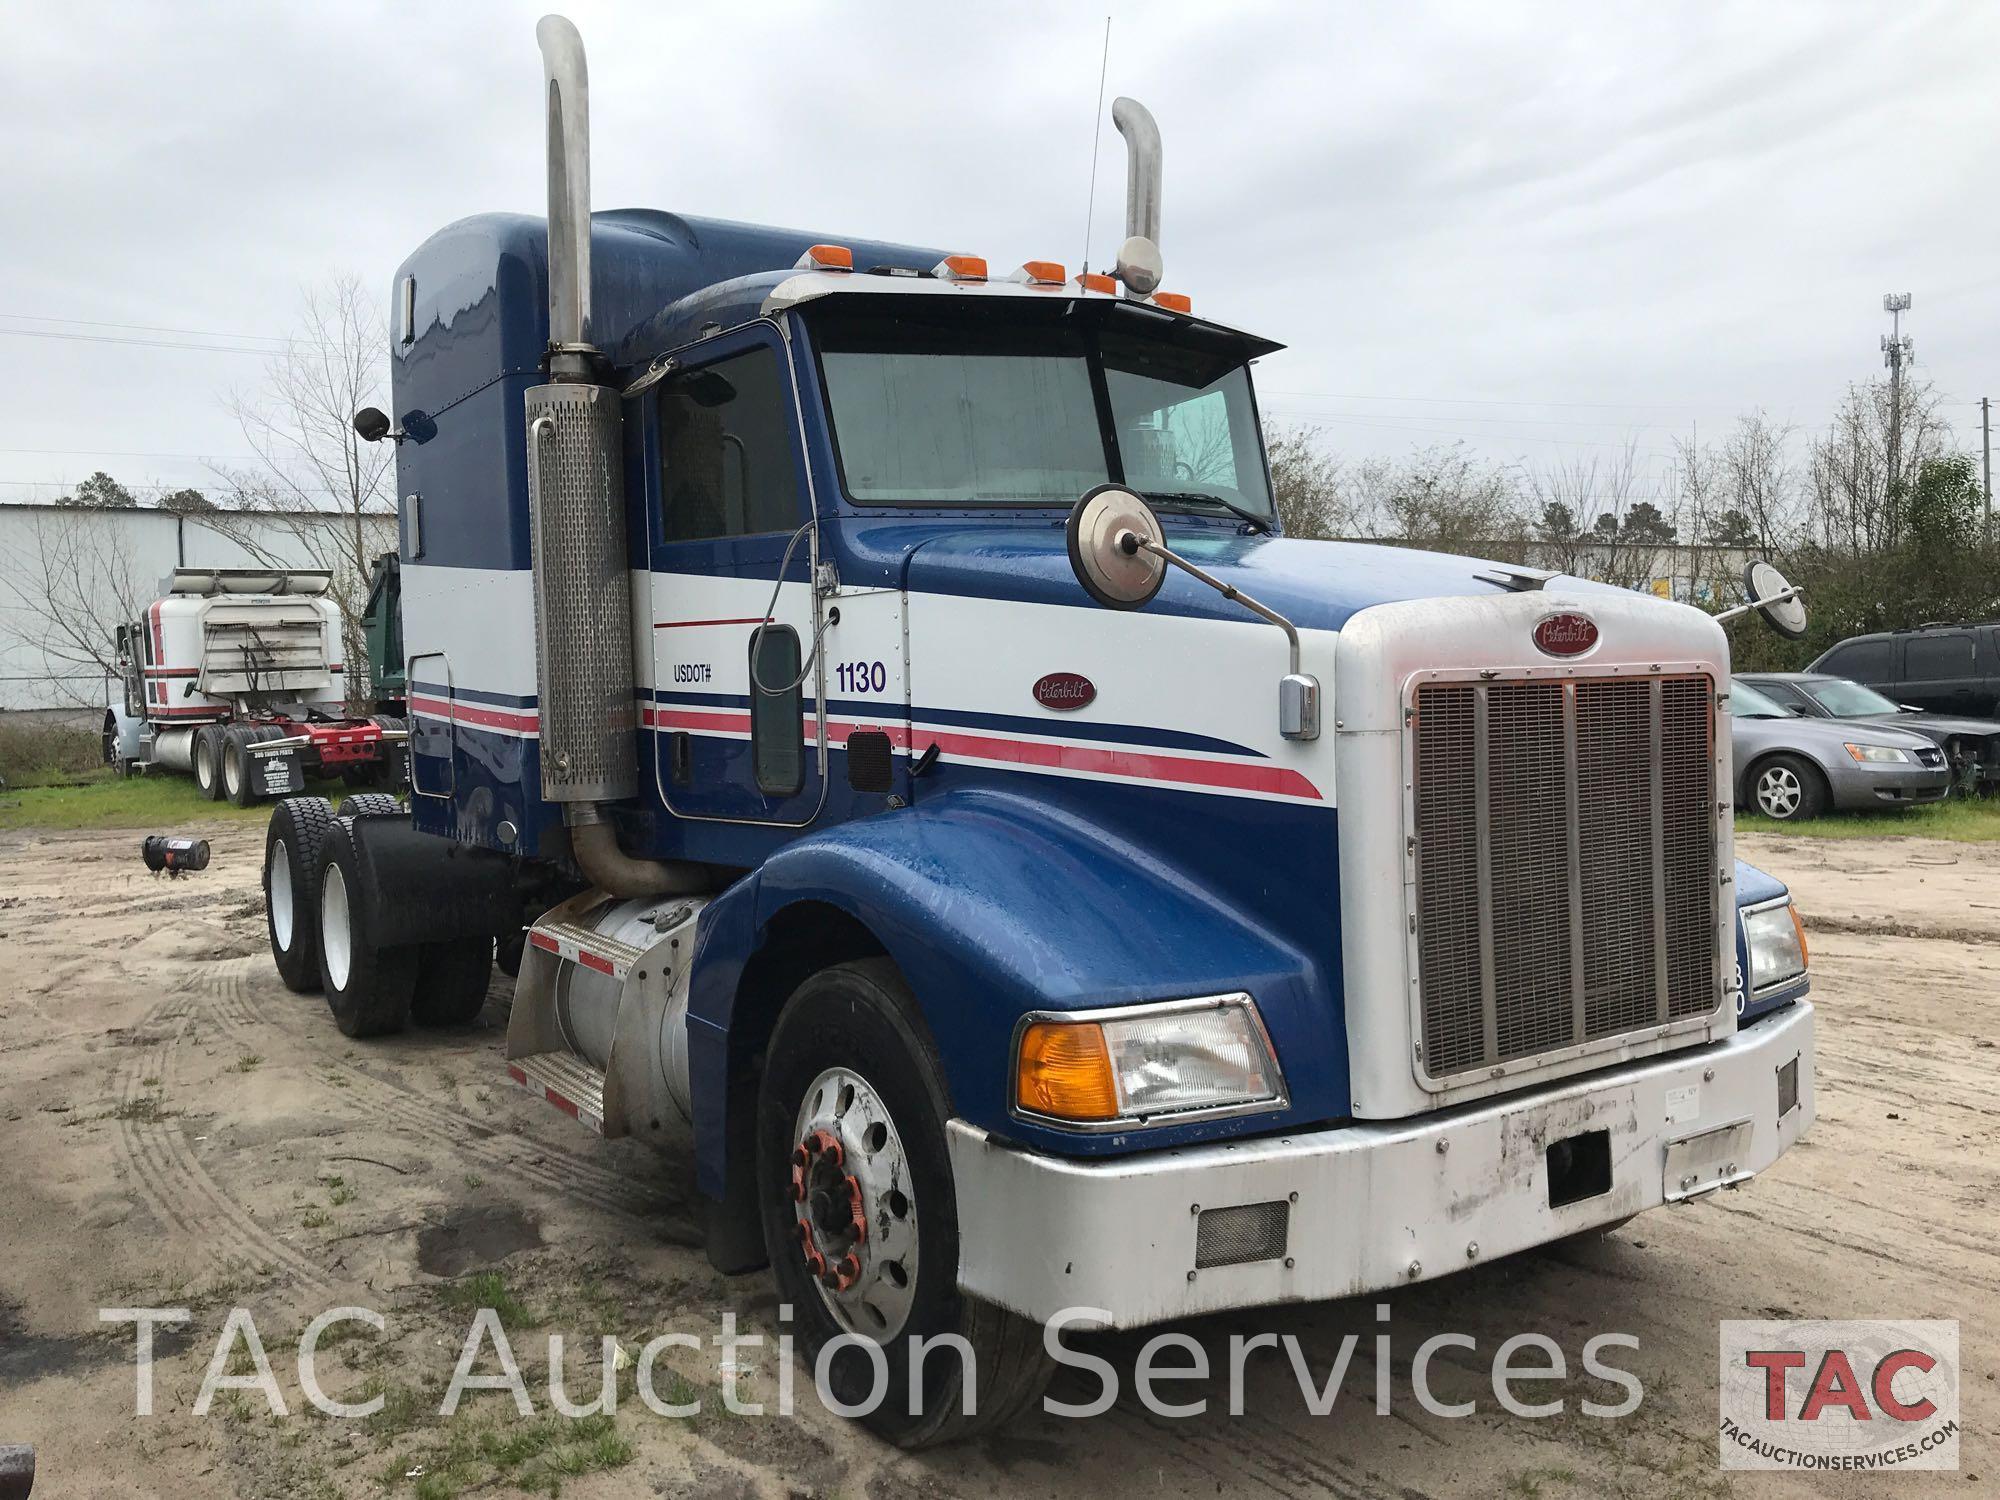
(849,1183)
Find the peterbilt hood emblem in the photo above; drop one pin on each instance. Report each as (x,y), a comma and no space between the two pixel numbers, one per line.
(1063,691)
(1566,634)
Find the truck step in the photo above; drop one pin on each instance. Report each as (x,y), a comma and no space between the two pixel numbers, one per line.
(579,945)
(566,1081)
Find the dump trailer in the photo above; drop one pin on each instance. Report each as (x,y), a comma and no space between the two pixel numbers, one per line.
(235,675)
(871,689)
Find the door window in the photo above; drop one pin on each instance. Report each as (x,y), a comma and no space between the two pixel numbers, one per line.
(1864,661)
(1932,658)
(725,431)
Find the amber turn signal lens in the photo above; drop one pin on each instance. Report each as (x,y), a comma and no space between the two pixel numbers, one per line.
(1178,302)
(1065,1071)
(1799,926)
(962,268)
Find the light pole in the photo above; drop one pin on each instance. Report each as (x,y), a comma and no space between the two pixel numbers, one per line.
(1896,348)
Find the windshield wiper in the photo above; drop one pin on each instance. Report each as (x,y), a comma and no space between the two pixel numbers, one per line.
(1184,496)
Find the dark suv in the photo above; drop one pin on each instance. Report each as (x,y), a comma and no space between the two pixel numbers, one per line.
(1948,669)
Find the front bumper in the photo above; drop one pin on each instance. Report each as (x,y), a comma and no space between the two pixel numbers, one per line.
(1889,786)
(1374,1204)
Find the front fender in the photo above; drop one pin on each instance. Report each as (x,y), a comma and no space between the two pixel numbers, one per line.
(993,905)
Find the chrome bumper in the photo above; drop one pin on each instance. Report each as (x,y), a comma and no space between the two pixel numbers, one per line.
(1362,1207)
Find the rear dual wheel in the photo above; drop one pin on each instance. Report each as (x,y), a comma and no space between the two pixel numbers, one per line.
(206,754)
(241,783)
(292,846)
(368,985)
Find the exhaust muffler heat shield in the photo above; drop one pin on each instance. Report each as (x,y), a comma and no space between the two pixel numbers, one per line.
(583,595)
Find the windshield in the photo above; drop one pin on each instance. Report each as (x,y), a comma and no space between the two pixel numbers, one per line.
(1844,699)
(1745,702)
(952,406)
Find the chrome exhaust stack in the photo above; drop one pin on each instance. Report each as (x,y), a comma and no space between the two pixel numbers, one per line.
(566,78)
(1139,264)
(576,497)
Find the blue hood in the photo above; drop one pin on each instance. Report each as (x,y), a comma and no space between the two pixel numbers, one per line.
(1317,585)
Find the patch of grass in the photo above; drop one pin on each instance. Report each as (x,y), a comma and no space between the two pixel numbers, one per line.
(34,754)
(316,1218)
(155,802)
(146,1109)
(489,1289)
(403,1409)
(341,1194)
(247,1063)
(1962,820)
(473,1179)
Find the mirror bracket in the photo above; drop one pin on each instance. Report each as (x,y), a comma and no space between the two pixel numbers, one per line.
(1112,532)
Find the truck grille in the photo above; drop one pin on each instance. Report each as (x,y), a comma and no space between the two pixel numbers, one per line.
(1566,880)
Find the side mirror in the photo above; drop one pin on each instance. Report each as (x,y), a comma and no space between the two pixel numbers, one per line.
(1108,531)
(1766,591)
(371,425)
(1120,556)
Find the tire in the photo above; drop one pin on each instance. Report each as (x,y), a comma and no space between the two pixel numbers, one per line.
(207,758)
(369,805)
(507,952)
(111,740)
(368,987)
(239,779)
(850,1059)
(451,982)
(1788,788)
(292,847)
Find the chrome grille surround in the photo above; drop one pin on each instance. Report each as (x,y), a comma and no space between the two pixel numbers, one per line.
(1564,838)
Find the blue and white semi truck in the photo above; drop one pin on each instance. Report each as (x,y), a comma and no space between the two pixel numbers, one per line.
(868,689)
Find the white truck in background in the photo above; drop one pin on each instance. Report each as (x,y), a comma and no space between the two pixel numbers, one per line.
(236,676)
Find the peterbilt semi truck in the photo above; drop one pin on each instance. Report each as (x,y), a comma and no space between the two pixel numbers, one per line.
(235,676)
(871,686)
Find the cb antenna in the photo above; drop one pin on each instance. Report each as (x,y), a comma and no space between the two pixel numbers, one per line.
(1096,135)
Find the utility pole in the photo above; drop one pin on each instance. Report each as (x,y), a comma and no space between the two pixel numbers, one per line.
(1986,459)
(1895,349)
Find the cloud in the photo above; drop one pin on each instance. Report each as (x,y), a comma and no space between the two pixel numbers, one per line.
(1690,209)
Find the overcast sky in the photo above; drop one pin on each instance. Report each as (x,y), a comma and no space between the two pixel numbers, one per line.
(1541,229)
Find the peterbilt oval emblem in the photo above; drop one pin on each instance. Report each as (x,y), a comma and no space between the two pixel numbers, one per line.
(1063,691)
(1565,634)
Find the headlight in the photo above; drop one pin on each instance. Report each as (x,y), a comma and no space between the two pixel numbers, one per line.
(1143,1063)
(1879,755)
(1776,940)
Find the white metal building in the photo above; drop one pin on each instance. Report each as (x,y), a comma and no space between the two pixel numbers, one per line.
(69,575)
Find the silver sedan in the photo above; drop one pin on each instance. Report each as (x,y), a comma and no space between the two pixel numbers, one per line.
(1788,767)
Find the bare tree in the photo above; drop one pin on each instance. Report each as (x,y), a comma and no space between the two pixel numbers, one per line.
(1441,497)
(309,461)
(1759,480)
(1578,509)
(1305,482)
(65,595)
(1855,504)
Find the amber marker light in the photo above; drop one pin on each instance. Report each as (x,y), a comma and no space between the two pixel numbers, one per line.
(1064,1071)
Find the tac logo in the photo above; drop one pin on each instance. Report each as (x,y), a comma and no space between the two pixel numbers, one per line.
(1839,1396)
(1566,634)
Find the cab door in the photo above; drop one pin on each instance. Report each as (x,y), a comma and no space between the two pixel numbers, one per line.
(729,503)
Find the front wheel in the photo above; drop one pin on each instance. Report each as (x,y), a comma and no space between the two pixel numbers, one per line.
(860,1213)
(1788,789)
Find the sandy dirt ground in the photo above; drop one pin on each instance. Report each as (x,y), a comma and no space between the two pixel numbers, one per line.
(179,1130)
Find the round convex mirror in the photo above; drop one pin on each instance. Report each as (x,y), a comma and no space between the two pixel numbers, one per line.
(1111,570)
(1762,583)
